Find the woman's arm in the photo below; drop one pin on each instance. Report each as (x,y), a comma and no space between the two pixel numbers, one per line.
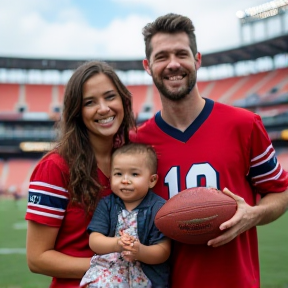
(101,244)
(43,259)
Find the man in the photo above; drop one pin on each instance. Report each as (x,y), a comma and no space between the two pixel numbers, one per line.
(203,143)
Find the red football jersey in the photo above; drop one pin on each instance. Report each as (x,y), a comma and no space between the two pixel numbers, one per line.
(48,204)
(224,147)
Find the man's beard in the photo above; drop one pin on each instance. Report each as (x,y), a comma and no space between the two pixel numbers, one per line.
(182,91)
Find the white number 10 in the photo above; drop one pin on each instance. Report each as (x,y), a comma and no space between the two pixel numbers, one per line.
(196,172)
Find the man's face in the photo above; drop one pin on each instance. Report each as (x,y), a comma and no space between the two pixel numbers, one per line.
(172,65)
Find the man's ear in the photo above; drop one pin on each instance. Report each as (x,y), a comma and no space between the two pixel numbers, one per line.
(153,180)
(146,66)
(198,60)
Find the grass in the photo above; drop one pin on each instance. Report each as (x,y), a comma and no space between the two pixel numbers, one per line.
(273,239)
(13,267)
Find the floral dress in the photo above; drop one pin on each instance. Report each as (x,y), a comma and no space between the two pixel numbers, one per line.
(111,270)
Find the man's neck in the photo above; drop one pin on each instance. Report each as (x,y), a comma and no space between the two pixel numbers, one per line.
(181,114)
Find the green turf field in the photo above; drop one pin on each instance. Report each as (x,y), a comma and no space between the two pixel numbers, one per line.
(13,268)
(273,239)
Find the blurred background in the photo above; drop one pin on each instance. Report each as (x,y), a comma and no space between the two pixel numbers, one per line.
(244,46)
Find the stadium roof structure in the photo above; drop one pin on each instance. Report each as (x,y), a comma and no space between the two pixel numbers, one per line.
(270,48)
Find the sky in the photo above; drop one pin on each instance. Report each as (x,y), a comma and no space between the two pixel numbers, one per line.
(109,29)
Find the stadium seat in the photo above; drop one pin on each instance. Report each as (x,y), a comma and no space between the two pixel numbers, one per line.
(9,94)
(278,80)
(17,174)
(38,98)
(139,97)
(248,87)
(221,87)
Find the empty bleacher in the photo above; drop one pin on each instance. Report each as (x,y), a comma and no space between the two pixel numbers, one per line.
(30,97)
(221,87)
(49,98)
(15,174)
(9,95)
(249,85)
(261,84)
(277,80)
(38,98)
(205,88)
(139,96)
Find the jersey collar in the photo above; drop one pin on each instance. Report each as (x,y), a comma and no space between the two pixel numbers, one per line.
(187,134)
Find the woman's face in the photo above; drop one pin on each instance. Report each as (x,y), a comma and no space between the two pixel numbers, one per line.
(102,108)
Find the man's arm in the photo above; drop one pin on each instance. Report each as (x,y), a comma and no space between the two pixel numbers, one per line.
(269,208)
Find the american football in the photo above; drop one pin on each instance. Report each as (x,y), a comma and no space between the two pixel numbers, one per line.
(194,215)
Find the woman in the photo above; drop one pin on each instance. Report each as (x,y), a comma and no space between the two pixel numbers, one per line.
(69,181)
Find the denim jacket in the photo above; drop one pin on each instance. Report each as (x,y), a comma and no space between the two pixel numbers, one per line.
(105,219)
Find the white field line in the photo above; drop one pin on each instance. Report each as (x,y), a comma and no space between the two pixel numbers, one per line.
(6,251)
(20,225)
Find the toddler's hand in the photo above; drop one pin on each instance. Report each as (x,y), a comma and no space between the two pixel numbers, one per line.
(130,252)
(126,239)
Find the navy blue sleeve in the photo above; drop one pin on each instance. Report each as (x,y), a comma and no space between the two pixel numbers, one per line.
(155,236)
(100,221)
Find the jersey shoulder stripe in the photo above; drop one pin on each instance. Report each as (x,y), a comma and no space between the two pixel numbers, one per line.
(42,213)
(271,178)
(48,195)
(39,183)
(266,155)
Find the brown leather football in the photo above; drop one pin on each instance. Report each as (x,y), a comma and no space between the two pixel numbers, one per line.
(194,215)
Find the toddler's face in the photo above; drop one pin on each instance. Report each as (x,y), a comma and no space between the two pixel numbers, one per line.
(131,177)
